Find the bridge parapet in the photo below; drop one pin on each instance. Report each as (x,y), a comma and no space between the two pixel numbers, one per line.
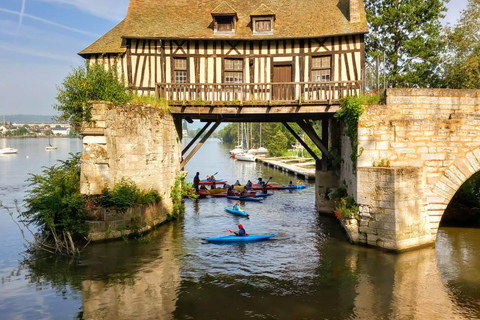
(432,132)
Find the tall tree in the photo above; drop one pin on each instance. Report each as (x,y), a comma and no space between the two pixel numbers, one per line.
(462,60)
(408,33)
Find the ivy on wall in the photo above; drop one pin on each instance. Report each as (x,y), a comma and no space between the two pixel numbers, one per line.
(351,109)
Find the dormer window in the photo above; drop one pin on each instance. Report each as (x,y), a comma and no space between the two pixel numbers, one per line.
(224,18)
(262,25)
(262,20)
(224,24)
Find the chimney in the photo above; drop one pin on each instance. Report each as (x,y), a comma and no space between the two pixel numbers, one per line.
(354,11)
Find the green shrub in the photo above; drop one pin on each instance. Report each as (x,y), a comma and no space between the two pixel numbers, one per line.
(85,84)
(126,194)
(181,190)
(345,206)
(278,145)
(54,202)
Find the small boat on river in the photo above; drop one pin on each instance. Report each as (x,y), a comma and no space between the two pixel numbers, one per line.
(294,187)
(208,182)
(245,157)
(8,150)
(245,198)
(237,212)
(234,238)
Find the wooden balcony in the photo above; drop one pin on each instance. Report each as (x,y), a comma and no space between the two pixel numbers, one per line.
(280,93)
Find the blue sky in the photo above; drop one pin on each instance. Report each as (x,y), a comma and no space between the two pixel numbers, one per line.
(39,41)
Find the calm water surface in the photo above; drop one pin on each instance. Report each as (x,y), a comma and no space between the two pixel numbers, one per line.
(309,271)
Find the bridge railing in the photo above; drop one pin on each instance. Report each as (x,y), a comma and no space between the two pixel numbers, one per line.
(274,92)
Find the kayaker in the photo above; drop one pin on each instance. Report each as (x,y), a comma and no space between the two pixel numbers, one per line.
(230,191)
(244,192)
(290,184)
(208,178)
(237,183)
(249,185)
(196,181)
(264,188)
(260,181)
(241,231)
(236,206)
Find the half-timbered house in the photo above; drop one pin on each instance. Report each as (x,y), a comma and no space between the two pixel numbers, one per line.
(238,51)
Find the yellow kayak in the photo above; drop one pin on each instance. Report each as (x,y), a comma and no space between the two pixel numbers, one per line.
(215,191)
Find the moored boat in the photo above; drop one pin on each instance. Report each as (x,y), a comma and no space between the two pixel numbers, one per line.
(8,150)
(234,238)
(245,157)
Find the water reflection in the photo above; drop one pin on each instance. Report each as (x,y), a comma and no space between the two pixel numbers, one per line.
(146,293)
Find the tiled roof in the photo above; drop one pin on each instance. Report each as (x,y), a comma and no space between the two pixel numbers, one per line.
(223,8)
(193,19)
(263,10)
(110,42)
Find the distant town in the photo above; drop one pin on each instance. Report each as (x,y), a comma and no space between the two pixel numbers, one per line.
(33,126)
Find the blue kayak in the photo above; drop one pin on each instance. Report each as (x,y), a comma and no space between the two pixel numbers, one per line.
(234,238)
(240,213)
(296,187)
(260,194)
(245,198)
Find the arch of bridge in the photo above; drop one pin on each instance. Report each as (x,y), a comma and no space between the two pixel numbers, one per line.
(445,188)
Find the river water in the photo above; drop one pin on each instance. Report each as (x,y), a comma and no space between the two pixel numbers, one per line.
(309,271)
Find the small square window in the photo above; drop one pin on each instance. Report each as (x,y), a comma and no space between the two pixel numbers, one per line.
(180,70)
(321,69)
(263,25)
(224,24)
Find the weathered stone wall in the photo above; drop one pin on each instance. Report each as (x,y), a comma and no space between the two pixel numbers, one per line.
(139,143)
(435,133)
(134,142)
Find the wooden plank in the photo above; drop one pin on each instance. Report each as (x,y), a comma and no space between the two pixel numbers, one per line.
(129,62)
(301,141)
(200,144)
(307,127)
(199,134)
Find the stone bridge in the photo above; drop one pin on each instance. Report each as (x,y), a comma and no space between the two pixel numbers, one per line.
(416,152)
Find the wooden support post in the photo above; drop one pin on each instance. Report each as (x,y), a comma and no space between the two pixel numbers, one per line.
(196,138)
(307,127)
(209,133)
(301,142)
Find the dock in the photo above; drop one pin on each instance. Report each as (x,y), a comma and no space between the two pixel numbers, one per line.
(296,166)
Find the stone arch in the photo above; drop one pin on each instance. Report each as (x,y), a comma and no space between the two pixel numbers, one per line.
(445,188)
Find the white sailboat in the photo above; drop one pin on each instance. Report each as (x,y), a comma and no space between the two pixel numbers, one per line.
(238,148)
(261,151)
(7,149)
(50,147)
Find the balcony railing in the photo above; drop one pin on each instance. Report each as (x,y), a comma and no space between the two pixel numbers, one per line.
(251,93)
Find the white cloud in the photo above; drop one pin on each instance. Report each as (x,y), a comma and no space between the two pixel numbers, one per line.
(113,10)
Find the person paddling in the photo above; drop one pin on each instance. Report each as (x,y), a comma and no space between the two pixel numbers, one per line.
(241,231)
(236,206)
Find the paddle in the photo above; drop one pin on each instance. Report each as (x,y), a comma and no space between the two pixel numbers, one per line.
(230,231)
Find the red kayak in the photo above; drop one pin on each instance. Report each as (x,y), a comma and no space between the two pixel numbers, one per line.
(203,193)
(208,183)
(224,194)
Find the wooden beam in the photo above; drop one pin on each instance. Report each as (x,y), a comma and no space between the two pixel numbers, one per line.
(196,138)
(301,141)
(209,133)
(307,127)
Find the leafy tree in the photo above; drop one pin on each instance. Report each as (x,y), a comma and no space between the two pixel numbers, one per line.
(85,84)
(462,61)
(278,144)
(408,32)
